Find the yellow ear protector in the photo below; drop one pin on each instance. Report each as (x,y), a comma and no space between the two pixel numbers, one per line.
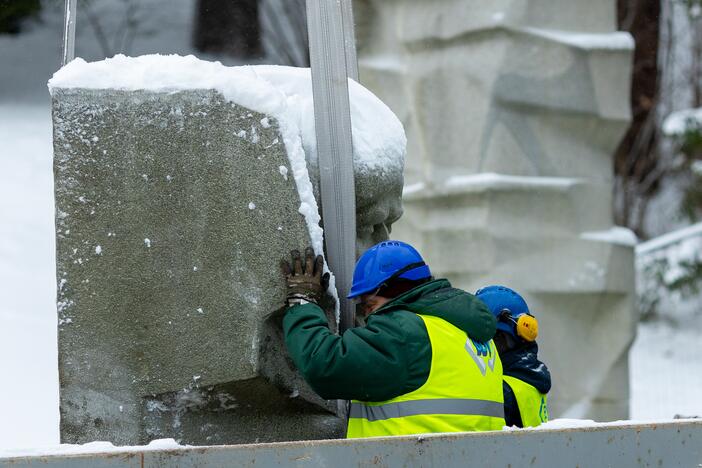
(527,327)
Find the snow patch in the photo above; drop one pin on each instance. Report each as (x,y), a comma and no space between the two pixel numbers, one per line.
(413,189)
(677,123)
(586,41)
(283,93)
(486,181)
(252,206)
(284,172)
(615,235)
(666,371)
(254,135)
(566,423)
(89,448)
(668,239)
(489,180)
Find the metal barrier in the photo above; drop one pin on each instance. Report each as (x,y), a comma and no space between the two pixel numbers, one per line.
(669,239)
(673,444)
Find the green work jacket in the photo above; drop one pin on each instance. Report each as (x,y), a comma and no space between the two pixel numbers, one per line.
(388,357)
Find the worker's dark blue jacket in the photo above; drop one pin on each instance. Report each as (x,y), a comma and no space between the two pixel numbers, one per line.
(522,363)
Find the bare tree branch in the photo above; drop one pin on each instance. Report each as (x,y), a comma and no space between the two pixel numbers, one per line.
(94,21)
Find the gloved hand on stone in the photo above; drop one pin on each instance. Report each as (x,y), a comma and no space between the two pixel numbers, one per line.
(305,283)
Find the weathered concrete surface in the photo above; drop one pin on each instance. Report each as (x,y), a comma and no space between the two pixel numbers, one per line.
(513,110)
(172,217)
(665,444)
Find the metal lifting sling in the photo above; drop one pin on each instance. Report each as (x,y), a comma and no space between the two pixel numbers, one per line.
(333,61)
(69,31)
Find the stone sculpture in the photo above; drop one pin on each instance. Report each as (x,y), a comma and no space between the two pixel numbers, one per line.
(174,208)
(513,110)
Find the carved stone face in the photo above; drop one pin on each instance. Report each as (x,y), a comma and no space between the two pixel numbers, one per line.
(378,206)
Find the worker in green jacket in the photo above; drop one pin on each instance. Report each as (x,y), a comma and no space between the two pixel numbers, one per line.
(424,362)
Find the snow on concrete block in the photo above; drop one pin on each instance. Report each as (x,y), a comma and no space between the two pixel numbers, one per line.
(171,166)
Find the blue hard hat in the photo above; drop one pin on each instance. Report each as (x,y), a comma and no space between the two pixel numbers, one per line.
(385,261)
(500,298)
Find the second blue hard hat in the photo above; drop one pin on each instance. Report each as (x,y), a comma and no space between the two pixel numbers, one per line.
(384,262)
(500,299)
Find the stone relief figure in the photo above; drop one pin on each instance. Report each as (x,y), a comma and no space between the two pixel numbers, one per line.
(513,111)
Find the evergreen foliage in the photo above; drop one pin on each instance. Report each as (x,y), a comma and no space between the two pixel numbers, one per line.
(690,144)
(14,12)
(670,281)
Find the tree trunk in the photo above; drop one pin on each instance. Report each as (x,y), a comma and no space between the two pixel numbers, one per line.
(637,155)
(228,27)
(14,12)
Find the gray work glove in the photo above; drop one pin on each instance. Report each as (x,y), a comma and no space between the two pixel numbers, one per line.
(305,283)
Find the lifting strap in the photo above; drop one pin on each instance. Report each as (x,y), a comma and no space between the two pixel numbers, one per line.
(69,31)
(333,60)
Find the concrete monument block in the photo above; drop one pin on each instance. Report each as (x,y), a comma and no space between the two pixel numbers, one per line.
(174,208)
(513,111)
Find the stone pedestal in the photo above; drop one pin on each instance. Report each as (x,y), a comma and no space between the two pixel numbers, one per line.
(173,212)
(172,216)
(513,110)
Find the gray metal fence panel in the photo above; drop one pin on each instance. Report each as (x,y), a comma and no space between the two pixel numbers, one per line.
(665,444)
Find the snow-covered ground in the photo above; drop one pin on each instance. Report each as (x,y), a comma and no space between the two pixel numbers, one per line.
(666,372)
(28,350)
(28,353)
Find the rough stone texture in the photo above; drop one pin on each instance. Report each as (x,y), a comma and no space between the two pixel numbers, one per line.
(172,217)
(537,92)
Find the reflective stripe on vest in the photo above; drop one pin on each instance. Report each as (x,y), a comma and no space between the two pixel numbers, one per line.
(462,393)
(531,402)
(401,409)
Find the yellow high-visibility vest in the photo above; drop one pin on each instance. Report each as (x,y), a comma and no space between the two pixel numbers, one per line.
(462,393)
(531,402)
